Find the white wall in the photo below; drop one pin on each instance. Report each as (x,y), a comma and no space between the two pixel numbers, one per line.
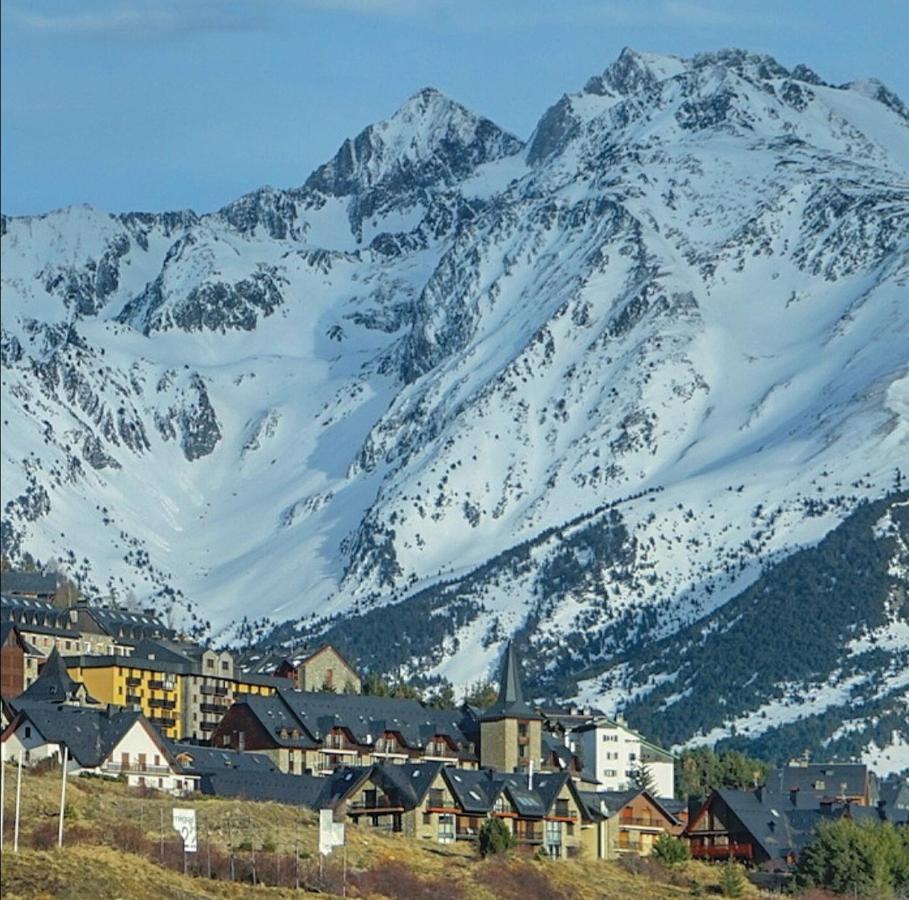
(612,753)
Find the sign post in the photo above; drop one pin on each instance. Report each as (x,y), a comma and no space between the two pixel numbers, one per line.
(185,824)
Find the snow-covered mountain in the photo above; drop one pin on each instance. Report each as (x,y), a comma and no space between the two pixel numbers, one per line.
(584,388)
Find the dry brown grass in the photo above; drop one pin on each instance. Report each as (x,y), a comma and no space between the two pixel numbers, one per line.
(113,849)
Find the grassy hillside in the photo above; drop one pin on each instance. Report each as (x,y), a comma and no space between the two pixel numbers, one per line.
(113,849)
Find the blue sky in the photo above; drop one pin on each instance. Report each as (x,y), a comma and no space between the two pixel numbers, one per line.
(168,104)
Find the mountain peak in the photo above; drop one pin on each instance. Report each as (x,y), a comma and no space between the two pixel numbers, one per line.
(429,134)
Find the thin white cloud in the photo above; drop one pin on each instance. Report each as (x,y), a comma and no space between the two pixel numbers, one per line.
(140,22)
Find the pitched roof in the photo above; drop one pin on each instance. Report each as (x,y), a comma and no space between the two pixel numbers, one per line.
(17,582)
(407,783)
(367,717)
(90,734)
(112,620)
(821,780)
(54,684)
(279,721)
(510,701)
(474,790)
(199,760)
(298,790)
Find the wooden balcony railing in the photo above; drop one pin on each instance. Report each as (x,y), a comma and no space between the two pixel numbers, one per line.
(722,851)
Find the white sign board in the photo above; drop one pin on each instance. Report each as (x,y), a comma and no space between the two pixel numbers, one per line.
(185,823)
(331,833)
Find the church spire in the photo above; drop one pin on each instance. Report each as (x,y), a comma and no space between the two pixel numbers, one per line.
(510,701)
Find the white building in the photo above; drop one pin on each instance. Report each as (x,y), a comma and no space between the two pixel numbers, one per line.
(103,741)
(614,754)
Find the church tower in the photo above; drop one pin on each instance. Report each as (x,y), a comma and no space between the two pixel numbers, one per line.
(510,731)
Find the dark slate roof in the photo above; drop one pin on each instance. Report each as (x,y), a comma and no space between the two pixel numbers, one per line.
(593,805)
(14,582)
(33,611)
(408,783)
(113,620)
(340,783)
(167,651)
(54,684)
(474,790)
(893,794)
(616,800)
(199,760)
(545,786)
(298,790)
(836,779)
(279,721)
(90,734)
(773,822)
(510,702)
(366,717)
(674,807)
(552,744)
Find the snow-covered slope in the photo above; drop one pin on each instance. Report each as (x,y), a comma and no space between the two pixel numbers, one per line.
(581,388)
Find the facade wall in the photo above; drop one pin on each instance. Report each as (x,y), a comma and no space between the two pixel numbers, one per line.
(612,753)
(635,827)
(12,668)
(326,668)
(510,744)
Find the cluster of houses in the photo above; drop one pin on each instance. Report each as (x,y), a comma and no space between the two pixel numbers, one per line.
(127,698)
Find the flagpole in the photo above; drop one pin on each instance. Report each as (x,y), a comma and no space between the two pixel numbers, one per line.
(62,796)
(18,800)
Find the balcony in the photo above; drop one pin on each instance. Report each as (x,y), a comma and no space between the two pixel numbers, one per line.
(134,768)
(722,851)
(133,682)
(159,703)
(213,707)
(164,721)
(133,698)
(642,822)
(214,690)
(375,807)
(156,684)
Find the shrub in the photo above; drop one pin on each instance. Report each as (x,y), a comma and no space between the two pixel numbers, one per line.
(732,881)
(520,881)
(670,851)
(870,858)
(495,837)
(394,879)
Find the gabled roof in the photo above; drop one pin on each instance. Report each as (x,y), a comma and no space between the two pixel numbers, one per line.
(407,783)
(112,620)
(90,734)
(54,685)
(367,717)
(279,721)
(777,826)
(298,790)
(199,760)
(510,701)
(18,582)
(474,790)
(821,780)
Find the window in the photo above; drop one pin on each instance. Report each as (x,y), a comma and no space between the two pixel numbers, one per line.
(554,838)
(225,665)
(522,729)
(562,808)
(157,760)
(609,773)
(329,678)
(522,751)
(820,785)
(28,731)
(436,797)
(446,828)
(501,805)
(209,663)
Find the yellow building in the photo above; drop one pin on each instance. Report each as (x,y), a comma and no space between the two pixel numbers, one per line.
(184,691)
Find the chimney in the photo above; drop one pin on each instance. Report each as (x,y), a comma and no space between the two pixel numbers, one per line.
(794,796)
(530,776)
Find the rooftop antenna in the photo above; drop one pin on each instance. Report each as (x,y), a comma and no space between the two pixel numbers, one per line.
(530,775)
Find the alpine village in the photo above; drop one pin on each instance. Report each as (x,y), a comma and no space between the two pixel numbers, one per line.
(103,692)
